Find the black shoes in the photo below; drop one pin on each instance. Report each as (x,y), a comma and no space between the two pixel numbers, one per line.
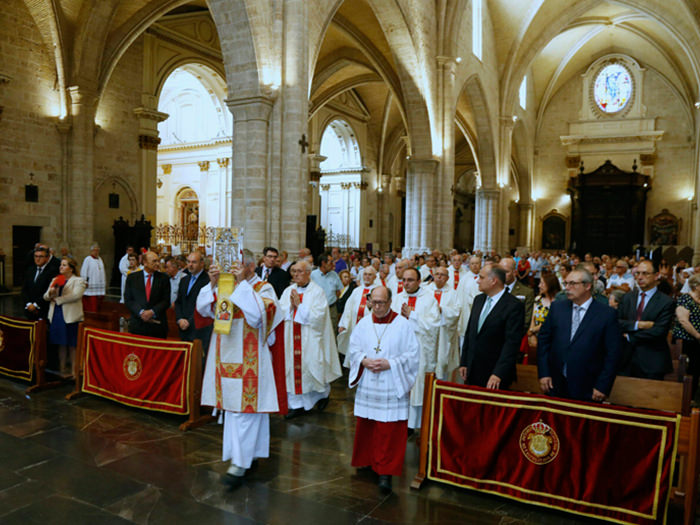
(293,412)
(231,481)
(385,484)
(323,403)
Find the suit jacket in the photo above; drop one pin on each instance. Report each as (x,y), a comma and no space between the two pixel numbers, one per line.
(591,357)
(33,291)
(519,289)
(185,303)
(70,299)
(493,349)
(135,301)
(648,349)
(278,278)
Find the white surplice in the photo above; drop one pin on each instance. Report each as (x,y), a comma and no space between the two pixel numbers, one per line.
(245,407)
(93,272)
(349,318)
(319,355)
(425,322)
(383,396)
(448,338)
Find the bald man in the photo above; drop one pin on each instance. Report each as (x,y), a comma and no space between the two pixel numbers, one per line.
(147,296)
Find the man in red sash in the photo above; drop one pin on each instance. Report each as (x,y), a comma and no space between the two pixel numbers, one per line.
(239,378)
(450,310)
(355,309)
(311,355)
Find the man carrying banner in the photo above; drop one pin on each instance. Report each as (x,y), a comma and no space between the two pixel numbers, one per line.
(239,378)
(311,355)
(383,358)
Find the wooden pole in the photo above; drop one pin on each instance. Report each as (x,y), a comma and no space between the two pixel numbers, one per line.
(425,430)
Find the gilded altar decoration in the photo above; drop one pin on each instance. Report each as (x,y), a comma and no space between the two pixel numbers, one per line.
(132,367)
(664,229)
(539,443)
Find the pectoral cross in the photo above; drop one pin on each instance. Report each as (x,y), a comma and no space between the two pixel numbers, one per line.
(377,349)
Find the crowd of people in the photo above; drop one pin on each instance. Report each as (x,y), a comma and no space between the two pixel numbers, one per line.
(468,317)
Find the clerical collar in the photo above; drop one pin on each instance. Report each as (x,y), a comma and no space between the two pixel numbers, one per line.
(414,294)
(299,287)
(388,318)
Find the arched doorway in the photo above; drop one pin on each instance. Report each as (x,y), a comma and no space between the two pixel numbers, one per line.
(187,206)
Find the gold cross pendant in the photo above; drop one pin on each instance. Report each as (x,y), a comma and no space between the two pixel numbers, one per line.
(377,349)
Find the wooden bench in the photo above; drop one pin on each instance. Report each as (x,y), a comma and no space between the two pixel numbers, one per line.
(111,312)
(671,396)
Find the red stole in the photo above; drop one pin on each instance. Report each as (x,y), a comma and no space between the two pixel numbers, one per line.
(363,303)
(296,329)
(456,278)
(399,288)
(412,302)
(438,296)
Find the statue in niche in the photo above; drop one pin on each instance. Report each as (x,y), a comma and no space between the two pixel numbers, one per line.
(664,229)
(193,224)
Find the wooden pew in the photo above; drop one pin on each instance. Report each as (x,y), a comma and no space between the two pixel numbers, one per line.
(656,395)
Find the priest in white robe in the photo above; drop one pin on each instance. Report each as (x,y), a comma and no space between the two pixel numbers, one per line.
(457,271)
(383,356)
(395,282)
(448,349)
(311,355)
(239,379)
(466,292)
(418,305)
(93,272)
(356,308)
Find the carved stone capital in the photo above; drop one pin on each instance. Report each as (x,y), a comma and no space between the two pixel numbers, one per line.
(148,142)
(223,162)
(250,108)
(203,165)
(167,169)
(573,161)
(150,114)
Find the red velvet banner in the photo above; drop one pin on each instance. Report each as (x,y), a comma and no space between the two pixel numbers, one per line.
(17,347)
(138,371)
(603,461)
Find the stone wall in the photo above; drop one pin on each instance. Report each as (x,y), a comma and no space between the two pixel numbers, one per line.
(29,140)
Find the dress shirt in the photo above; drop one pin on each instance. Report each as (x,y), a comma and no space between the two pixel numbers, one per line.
(330,282)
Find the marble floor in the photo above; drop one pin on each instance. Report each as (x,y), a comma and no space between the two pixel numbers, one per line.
(94,461)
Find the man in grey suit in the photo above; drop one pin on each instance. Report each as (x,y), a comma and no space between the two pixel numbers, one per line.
(523,293)
(645,317)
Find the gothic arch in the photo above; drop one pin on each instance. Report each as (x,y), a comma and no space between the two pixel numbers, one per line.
(486,153)
(124,185)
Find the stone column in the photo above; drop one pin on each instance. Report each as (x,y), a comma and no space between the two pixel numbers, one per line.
(149,118)
(444,217)
(314,197)
(486,220)
(421,204)
(80,217)
(294,126)
(224,219)
(63,125)
(250,171)
(526,209)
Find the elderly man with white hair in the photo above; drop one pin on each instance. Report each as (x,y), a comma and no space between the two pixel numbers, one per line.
(395,283)
(311,356)
(239,378)
(93,272)
(356,308)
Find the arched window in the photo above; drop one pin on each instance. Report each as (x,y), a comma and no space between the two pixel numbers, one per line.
(477,28)
(192,96)
(339,146)
(522,93)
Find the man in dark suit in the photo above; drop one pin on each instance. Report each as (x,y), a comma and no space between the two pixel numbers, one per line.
(186,301)
(270,271)
(147,296)
(494,332)
(523,293)
(645,318)
(37,279)
(578,346)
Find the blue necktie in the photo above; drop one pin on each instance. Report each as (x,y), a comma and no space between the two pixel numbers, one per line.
(484,313)
(189,287)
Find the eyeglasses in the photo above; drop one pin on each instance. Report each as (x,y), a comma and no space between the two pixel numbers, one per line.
(379,303)
(568,284)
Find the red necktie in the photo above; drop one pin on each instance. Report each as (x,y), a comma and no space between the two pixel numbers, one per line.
(640,308)
(148,287)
